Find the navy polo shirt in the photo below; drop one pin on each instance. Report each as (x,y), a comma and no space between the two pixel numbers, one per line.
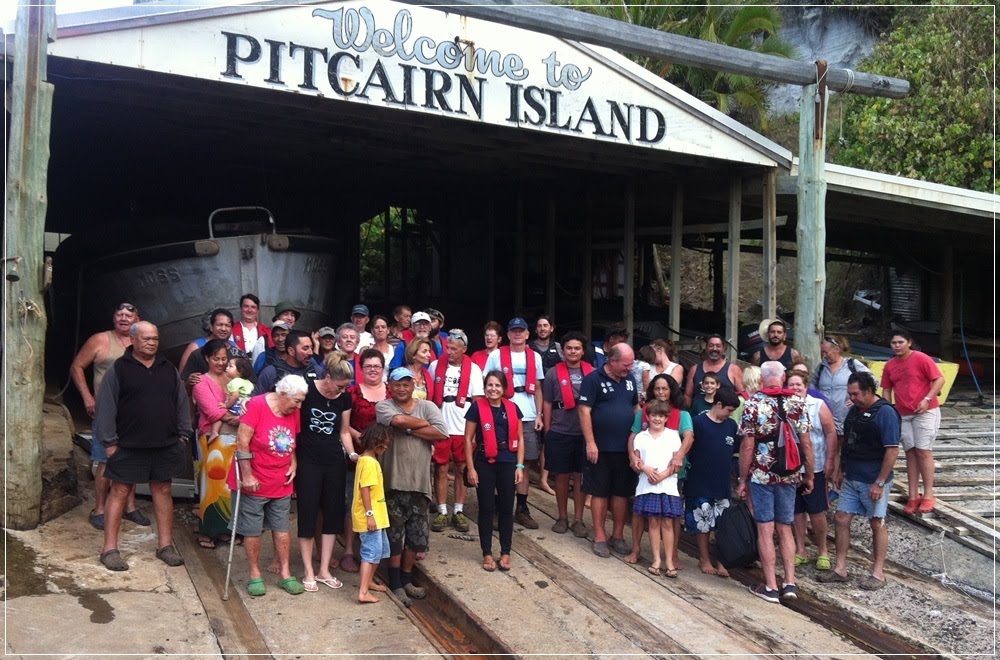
(612,403)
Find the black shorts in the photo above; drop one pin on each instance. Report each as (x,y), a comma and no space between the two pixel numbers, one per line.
(139,466)
(816,501)
(564,454)
(611,476)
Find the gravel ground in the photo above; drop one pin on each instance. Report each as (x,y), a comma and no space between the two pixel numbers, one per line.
(942,612)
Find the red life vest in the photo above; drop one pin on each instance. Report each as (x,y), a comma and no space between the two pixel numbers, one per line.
(479,358)
(357,367)
(463,382)
(408,335)
(566,385)
(488,427)
(262,331)
(531,376)
(428,384)
(673,419)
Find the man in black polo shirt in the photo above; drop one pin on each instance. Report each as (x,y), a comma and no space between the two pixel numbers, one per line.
(144,420)
(608,402)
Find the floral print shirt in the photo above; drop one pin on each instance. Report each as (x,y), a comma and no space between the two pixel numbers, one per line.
(760,420)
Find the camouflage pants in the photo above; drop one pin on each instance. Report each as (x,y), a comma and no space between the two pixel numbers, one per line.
(407,521)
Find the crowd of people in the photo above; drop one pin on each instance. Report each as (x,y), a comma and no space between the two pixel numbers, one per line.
(364,426)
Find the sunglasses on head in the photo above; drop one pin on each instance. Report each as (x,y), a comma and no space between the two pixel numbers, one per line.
(126,306)
(832,341)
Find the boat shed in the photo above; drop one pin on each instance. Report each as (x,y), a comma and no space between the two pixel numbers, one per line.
(523,160)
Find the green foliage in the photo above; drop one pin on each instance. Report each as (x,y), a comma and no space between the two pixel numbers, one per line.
(944,130)
(750,27)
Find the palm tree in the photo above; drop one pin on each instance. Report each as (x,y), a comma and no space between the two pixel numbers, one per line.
(751,27)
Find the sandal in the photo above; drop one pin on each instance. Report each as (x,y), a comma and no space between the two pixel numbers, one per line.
(926,505)
(823,563)
(671,573)
(489,563)
(206,542)
(654,570)
(310,586)
(800,560)
(292,586)
(112,560)
(256,587)
(504,564)
(331,582)
(912,505)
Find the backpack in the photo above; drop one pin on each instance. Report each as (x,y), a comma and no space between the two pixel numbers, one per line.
(736,537)
(787,459)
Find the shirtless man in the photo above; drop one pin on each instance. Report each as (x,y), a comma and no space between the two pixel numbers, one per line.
(730,375)
(101,351)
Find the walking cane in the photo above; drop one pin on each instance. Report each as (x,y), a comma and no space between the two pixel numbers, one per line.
(232,537)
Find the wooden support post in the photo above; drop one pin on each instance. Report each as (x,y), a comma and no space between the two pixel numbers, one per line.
(718,288)
(628,297)
(733,266)
(519,256)
(24,301)
(948,302)
(769,294)
(550,260)
(387,254)
(676,245)
(587,270)
(810,231)
(491,258)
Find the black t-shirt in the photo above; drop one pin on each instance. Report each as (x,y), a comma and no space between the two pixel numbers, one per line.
(504,455)
(612,404)
(319,440)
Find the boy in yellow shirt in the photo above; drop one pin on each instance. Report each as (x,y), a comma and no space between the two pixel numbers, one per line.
(369,515)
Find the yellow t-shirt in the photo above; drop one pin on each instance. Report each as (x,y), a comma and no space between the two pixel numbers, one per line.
(369,473)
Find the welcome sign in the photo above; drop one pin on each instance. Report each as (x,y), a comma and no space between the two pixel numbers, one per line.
(422,60)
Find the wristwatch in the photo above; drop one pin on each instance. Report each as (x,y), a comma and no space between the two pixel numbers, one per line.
(928,398)
(369,514)
(880,484)
(409,431)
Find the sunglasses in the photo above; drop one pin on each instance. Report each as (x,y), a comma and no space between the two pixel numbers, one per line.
(832,341)
(126,306)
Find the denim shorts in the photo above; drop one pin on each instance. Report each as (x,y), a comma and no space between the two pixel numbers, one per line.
(854,499)
(374,546)
(773,503)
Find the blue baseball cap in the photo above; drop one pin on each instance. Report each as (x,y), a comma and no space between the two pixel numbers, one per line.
(359,310)
(399,373)
(517,322)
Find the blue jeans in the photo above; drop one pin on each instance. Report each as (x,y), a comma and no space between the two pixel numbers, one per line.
(374,546)
(773,503)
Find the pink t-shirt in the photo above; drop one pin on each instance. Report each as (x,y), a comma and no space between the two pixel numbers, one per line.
(910,380)
(272,444)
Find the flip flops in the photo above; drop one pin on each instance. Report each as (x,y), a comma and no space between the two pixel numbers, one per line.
(256,587)
(504,563)
(654,571)
(331,582)
(489,564)
(926,505)
(310,586)
(292,586)
(671,573)
(912,505)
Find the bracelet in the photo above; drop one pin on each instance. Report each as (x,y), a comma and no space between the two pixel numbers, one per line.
(243,455)
(519,466)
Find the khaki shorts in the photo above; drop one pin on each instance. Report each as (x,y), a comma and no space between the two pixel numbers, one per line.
(920,431)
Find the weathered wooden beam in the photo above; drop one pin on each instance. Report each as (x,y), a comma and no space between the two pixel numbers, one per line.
(696,230)
(24,315)
(628,295)
(733,266)
(587,275)
(580,26)
(676,247)
(550,259)
(769,294)
(810,230)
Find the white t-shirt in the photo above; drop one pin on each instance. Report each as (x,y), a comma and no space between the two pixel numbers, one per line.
(454,417)
(249,335)
(657,453)
(365,340)
(524,401)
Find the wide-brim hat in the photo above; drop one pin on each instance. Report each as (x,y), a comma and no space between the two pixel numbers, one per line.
(283,307)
